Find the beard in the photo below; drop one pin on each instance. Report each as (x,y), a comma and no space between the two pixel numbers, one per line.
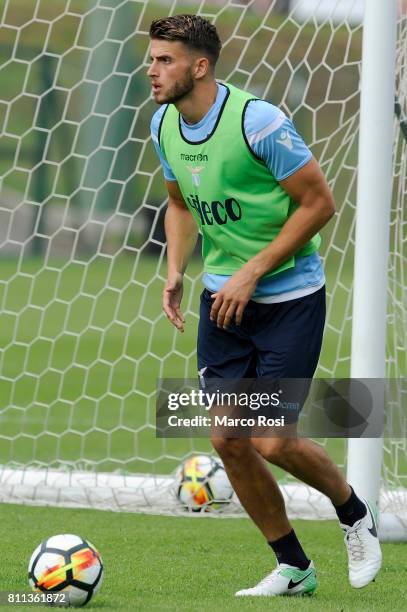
(179,90)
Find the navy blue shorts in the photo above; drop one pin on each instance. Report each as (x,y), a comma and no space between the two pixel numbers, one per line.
(274,341)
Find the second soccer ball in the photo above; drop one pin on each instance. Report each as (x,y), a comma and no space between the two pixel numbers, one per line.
(201,484)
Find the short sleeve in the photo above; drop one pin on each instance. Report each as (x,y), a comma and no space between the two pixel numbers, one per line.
(155,126)
(273,138)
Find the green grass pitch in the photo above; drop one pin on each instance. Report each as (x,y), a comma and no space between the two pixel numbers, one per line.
(194,564)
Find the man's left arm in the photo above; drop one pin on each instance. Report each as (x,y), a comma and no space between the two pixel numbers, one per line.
(309,189)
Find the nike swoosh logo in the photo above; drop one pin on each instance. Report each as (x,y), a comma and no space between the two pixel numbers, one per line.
(372,529)
(292,584)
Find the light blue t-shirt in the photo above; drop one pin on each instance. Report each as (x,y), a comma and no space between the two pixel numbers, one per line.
(273,138)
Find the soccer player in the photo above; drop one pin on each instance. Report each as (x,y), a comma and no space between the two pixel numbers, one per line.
(236,168)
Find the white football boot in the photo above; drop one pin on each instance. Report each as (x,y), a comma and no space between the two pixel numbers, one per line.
(284,580)
(364,553)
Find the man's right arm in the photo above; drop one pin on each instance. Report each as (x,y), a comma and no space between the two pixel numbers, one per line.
(180,229)
(181,232)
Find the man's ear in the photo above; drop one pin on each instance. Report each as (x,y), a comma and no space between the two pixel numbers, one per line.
(201,67)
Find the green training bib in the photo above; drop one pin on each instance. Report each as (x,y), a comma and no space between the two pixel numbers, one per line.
(238,204)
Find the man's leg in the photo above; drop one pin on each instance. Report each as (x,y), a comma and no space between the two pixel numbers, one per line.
(254,485)
(308,462)
(230,355)
(261,497)
(288,341)
(288,345)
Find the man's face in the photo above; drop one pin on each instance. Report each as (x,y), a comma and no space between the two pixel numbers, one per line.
(170,71)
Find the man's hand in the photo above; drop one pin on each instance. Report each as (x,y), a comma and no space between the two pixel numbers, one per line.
(231,300)
(172,296)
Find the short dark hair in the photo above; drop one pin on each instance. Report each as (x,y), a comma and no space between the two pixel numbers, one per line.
(195,32)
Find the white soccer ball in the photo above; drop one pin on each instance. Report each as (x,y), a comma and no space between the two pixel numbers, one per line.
(201,484)
(66,564)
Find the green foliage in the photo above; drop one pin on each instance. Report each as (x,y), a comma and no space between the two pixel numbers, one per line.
(79,47)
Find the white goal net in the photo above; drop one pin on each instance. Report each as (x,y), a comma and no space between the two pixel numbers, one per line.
(83,338)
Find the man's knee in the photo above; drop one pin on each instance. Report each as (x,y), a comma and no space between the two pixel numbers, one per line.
(276,450)
(230,448)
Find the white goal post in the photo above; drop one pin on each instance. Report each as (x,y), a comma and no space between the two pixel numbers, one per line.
(375,178)
(82,335)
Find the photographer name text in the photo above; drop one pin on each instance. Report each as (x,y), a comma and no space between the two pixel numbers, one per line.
(225,421)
